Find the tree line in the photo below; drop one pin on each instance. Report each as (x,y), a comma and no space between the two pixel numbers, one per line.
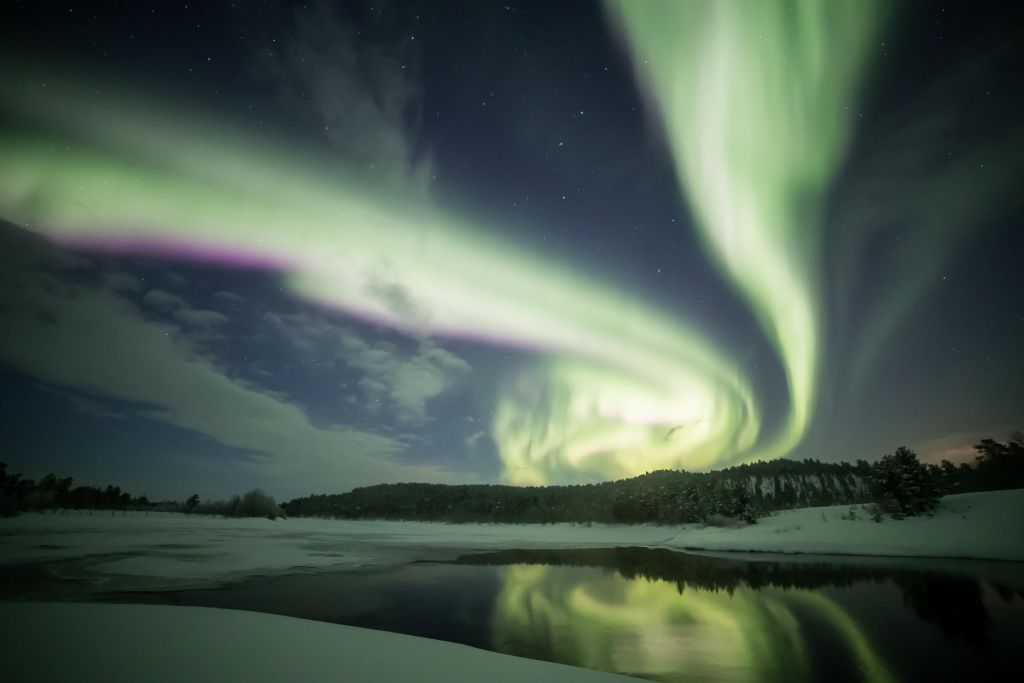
(898,484)
(56,494)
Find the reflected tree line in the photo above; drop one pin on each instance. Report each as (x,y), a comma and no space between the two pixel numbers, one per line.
(953,603)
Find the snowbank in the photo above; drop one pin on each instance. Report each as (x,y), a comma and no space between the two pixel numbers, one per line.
(86,642)
(970,525)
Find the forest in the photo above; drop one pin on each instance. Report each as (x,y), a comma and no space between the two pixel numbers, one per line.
(57,494)
(898,484)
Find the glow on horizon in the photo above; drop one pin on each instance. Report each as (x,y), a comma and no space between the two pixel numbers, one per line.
(620,387)
(757,101)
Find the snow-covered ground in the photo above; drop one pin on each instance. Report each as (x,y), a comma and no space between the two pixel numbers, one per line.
(969,525)
(58,642)
(198,549)
(88,642)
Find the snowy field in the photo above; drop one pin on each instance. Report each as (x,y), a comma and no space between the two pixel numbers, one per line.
(199,549)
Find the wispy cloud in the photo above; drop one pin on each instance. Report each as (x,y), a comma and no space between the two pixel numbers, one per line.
(85,404)
(162,300)
(358,85)
(473,439)
(89,338)
(400,380)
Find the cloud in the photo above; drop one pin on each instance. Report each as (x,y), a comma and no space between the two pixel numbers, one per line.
(86,405)
(396,298)
(228,298)
(407,381)
(200,318)
(163,300)
(122,282)
(402,381)
(91,339)
(427,374)
(200,324)
(473,439)
(358,85)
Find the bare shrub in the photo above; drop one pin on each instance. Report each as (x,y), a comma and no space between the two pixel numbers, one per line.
(254,503)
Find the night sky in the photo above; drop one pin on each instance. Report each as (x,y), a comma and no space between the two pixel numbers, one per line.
(314,246)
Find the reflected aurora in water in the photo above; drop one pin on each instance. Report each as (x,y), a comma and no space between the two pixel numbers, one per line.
(584,617)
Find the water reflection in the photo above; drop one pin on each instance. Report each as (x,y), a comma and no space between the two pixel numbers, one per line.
(666,615)
(678,617)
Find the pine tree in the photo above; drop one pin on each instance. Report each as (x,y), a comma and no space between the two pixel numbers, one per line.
(903,486)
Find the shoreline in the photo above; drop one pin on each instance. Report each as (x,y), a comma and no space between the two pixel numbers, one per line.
(973,526)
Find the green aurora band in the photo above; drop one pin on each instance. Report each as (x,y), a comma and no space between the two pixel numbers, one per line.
(619,387)
(756,99)
(615,377)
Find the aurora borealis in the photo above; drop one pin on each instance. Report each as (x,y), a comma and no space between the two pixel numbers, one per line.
(327,247)
(756,105)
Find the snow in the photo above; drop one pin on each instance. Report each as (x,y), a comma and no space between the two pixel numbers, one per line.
(200,549)
(174,546)
(92,642)
(969,525)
